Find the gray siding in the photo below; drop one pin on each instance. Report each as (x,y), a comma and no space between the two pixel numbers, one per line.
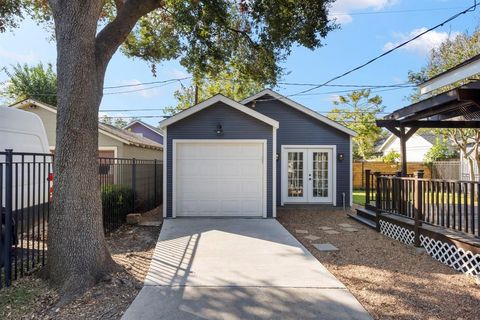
(236,125)
(298,128)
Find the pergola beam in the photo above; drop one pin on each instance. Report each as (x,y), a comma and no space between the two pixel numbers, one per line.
(429,124)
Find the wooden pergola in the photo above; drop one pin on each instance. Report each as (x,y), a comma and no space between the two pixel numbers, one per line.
(457,108)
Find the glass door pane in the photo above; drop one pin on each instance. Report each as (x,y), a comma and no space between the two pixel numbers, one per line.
(295,175)
(320,175)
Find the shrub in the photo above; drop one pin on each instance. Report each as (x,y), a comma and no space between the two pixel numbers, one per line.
(438,152)
(391,157)
(117,202)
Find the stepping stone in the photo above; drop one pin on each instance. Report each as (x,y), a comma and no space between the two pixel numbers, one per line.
(325,228)
(345,225)
(325,247)
(312,238)
(301,231)
(331,232)
(351,229)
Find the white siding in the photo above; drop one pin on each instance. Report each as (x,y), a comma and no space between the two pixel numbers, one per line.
(417,147)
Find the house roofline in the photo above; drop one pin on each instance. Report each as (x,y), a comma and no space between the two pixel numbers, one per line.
(301,108)
(140,122)
(209,102)
(46,106)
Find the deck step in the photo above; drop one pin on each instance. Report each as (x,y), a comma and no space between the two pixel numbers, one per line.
(365,221)
(367,213)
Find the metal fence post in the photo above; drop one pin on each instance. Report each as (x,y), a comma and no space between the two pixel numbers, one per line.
(155,182)
(7,254)
(418,206)
(134,183)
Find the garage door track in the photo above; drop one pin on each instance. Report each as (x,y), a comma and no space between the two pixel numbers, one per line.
(238,269)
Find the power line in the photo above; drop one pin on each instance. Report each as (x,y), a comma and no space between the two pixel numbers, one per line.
(146,83)
(391,11)
(469,9)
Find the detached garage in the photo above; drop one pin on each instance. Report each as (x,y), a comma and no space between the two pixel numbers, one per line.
(225,158)
(219,161)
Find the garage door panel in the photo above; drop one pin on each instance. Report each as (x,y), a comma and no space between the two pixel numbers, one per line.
(224,179)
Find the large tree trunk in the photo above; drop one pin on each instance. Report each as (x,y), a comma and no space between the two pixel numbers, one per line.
(77,252)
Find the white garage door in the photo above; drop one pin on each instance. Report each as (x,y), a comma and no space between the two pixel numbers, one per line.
(219,179)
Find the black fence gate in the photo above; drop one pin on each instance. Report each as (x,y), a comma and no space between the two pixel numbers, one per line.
(26,189)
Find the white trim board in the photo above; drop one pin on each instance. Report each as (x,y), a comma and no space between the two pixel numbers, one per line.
(211,101)
(165,200)
(301,108)
(284,164)
(453,75)
(213,141)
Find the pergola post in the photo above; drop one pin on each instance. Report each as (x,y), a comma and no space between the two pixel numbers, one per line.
(403,136)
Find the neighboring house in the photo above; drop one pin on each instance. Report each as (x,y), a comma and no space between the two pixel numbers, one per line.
(112,141)
(226,158)
(145,130)
(417,146)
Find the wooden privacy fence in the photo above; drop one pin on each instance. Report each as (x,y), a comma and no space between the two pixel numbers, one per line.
(449,170)
(453,204)
(359,168)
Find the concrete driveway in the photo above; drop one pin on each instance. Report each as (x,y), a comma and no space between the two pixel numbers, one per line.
(238,269)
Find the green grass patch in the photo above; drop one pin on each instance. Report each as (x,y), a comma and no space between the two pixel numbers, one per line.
(359,196)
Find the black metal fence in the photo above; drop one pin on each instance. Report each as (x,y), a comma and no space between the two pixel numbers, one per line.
(26,188)
(26,181)
(128,186)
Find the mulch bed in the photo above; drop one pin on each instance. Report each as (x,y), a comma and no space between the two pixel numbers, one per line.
(391,280)
(131,247)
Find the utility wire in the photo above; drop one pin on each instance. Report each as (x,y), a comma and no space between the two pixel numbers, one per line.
(455,16)
(390,11)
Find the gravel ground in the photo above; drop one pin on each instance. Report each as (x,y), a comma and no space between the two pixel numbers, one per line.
(391,280)
(131,247)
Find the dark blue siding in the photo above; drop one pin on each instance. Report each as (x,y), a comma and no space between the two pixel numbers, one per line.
(236,125)
(298,128)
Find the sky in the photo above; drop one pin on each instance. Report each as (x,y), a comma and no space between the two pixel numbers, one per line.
(368,28)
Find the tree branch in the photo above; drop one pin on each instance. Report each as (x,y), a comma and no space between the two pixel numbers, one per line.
(114,33)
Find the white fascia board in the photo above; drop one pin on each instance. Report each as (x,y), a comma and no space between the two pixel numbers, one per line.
(159,132)
(218,98)
(29,102)
(387,142)
(450,77)
(301,108)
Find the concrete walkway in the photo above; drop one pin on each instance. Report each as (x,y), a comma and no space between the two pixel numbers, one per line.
(238,269)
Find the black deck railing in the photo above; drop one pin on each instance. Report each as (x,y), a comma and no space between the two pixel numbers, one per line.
(26,189)
(452,204)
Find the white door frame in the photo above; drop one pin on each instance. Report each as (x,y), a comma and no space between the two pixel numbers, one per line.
(284,160)
(213,141)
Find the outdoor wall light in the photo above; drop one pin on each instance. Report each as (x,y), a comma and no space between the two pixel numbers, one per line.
(340,156)
(278,156)
(219,130)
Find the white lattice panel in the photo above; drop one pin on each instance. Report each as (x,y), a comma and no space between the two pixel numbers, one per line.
(457,258)
(396,232)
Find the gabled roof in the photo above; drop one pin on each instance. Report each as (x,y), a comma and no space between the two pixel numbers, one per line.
(429,137)
(211,101)
(301,108)
(146,125)
(121,135)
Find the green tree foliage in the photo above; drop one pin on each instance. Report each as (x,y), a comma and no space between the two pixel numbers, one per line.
(37,82)
(449,54)
(358,111)
(230,82)
(391,157)
(438,152)
(114,121)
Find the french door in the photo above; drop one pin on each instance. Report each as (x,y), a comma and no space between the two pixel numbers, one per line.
(308,175)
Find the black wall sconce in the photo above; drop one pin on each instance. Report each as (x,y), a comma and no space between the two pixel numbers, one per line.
(340,157)
(219,130)
(278,156)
